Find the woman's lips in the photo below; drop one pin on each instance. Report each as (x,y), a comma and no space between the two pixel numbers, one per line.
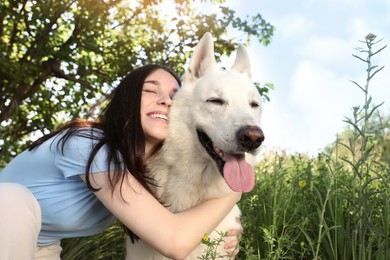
(158,115)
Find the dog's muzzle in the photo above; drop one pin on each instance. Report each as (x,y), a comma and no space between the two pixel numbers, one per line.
(248,138)
(233,167)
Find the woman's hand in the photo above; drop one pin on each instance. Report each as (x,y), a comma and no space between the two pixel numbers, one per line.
(231,245)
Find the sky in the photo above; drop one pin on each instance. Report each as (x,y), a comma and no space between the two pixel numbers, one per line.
(310,63)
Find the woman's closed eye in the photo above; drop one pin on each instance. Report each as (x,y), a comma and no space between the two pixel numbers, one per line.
(149,90)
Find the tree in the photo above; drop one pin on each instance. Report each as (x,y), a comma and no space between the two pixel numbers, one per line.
(61,58)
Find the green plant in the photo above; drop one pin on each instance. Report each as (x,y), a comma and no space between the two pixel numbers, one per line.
(363,166)
(108,245)
(272,212)
(212,245)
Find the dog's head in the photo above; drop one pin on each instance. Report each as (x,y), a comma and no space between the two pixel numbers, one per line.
(223,107)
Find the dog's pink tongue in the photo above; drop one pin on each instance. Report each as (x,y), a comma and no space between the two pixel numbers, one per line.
(238,173)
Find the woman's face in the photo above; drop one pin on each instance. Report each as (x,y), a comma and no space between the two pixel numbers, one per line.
(157,93)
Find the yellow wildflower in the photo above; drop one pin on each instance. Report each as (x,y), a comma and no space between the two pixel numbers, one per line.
(205,238)
(302,184)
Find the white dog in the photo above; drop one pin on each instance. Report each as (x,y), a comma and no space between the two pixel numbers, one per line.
(213,122)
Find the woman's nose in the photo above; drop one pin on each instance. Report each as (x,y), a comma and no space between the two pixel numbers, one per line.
(165,100)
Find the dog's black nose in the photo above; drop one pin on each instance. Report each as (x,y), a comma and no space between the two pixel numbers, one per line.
(250,137)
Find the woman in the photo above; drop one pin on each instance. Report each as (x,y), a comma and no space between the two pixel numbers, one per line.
(76,180)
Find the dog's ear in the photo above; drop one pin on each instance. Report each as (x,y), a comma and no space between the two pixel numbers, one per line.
(202,58)
(242,63)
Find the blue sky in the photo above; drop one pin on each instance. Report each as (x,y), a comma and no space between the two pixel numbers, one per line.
(310,62)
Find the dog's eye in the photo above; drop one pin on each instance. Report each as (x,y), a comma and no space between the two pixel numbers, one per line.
(216,101)
(254,104)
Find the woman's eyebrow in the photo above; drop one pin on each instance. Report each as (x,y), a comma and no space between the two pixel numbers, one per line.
(155,82)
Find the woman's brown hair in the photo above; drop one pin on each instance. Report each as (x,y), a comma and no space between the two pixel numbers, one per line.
(122,134)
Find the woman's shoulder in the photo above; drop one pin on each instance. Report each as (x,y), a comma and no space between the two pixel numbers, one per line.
(77,139)
(73,151)
(81,133)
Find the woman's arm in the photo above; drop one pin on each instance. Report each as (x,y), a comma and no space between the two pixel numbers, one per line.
(173,235)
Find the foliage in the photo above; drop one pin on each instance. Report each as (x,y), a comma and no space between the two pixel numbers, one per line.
(109,244)
(60,59)
(212,246)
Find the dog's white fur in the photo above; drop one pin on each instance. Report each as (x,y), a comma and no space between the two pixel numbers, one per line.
(184,171)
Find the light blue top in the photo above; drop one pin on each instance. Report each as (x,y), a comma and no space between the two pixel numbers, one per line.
(69,208)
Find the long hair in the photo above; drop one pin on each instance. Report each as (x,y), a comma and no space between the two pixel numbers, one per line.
(123,135)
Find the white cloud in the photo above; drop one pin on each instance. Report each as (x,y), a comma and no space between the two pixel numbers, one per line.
(321,99)
(357,27)
(326,48)
(313,84)
(293,26)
